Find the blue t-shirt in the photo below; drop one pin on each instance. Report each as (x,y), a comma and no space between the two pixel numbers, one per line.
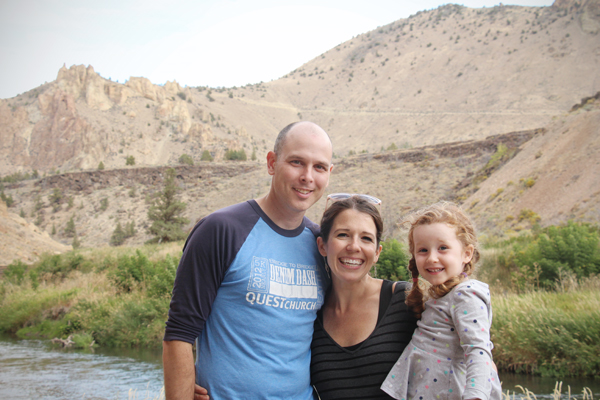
(249,291)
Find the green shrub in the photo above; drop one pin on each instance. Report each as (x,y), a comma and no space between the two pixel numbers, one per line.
(529,182)
(119,235)
(393,262)
(186,159)
(159,284)
(130,271)
(58,266)
(15,272)
(101,166)
(104,203)
(206,156)
(56,197)
(235,155)
(7,199)
(83,340)
(572,247)
(130,160)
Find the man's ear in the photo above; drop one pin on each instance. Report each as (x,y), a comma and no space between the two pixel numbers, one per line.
(330,170)
(271,159)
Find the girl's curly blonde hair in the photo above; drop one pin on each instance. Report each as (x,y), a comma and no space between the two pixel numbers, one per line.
(451,215)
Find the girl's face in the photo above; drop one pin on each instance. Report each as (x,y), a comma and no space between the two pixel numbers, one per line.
(439,254)
(351,248)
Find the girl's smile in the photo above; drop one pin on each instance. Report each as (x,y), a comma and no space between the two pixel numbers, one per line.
(439,254)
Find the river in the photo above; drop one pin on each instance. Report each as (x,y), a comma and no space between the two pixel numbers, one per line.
(33,369)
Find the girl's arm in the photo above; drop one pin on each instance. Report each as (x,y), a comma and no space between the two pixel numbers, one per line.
(472,315)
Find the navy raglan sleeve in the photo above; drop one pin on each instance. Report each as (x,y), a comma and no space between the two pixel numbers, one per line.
(209,250)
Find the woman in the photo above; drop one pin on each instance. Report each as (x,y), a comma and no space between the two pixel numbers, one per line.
(364,324)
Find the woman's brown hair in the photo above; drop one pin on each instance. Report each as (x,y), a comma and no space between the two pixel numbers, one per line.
(352,203)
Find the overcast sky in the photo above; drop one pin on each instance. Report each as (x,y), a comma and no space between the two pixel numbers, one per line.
(202,42)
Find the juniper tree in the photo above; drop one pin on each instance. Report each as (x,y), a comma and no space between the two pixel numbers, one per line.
(118,236)
(166,212)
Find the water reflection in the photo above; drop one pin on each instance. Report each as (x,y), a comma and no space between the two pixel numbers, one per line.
(31,369)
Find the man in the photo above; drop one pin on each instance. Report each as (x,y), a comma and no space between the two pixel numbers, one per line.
(249,285)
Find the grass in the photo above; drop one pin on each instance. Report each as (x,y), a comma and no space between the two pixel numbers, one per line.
(556,394)
(119,298)
(548,333)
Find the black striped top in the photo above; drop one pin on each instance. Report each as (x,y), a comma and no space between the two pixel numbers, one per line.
(340,373)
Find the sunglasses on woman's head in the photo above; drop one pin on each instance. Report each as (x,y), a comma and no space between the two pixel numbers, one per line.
(332,198)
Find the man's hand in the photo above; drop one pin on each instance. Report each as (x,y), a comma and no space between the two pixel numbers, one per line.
(200,393)
(179,371)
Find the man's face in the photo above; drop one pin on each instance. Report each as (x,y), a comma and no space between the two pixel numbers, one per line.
(301,170)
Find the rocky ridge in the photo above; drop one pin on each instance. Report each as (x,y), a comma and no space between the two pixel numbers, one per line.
(439,76)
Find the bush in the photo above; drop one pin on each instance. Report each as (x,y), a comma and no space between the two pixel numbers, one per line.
(130,160)
(57,266)
(119,235)
(235,155)
(7,199)
(101,166)
(130,271)
(573,247)
(186,159)
(206,156)
(55,199)
(393,262)
(15,272)
(104,203)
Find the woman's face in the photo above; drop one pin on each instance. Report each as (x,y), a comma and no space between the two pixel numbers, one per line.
(351,248)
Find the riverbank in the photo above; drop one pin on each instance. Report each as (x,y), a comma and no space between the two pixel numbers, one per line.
(119,297)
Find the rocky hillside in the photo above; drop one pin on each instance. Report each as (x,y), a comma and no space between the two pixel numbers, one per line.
(556,175)
(22,240)
(443,75)
(507,182)
(480,106)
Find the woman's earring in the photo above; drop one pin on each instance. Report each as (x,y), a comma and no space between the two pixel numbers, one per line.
(327,267)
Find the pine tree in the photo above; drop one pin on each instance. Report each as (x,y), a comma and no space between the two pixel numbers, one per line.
(118,236)
(165,212)
(75,242)
(70,230)
(206,156)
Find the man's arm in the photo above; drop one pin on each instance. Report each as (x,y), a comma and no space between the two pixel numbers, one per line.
(179,370)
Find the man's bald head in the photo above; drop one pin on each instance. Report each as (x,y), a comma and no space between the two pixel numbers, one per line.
(309,126)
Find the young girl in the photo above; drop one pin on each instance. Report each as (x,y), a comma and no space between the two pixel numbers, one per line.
(449,356)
